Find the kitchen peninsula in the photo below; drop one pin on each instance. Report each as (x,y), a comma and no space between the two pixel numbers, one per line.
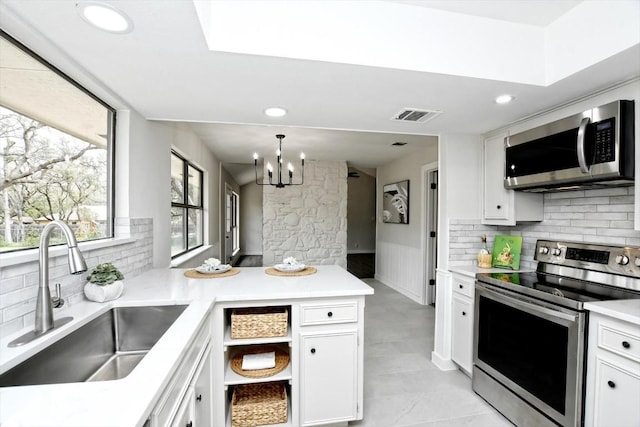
(324,342)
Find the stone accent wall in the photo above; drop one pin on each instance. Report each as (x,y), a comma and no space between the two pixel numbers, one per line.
(594,216)
(308,222)
(19,282)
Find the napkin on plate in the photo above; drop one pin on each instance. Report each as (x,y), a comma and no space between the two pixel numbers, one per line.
(259,361)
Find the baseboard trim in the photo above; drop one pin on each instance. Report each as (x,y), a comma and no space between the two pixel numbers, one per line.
(361,251)
(443,364)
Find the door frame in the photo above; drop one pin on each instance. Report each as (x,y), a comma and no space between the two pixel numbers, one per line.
(427,204)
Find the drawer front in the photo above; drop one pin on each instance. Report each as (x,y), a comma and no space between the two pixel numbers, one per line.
(321,314)
(463,286)
(178,384)
(620,340)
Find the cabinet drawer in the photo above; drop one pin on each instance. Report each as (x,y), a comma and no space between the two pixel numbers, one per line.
(463,286)
(321,314)
(620,340)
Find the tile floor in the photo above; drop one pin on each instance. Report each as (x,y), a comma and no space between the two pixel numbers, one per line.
(402,388)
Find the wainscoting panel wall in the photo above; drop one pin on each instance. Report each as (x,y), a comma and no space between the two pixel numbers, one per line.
(400,267)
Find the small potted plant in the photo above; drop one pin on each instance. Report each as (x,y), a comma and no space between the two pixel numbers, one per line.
(104,283)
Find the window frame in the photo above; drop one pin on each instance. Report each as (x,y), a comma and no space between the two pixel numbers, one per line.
(186,164)
(110,143)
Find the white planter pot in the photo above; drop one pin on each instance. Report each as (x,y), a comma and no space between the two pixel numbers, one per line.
(105,293)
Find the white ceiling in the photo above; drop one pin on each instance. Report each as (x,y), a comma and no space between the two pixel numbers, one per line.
(337,110)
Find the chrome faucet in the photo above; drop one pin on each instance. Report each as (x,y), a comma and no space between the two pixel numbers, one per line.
(44,311)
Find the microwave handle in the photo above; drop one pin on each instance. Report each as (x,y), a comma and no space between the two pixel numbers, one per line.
(582,133)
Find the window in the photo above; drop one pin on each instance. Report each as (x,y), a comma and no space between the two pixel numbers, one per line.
(186,206)
(56,145)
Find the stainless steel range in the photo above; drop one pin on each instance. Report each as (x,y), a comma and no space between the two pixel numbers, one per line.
(530,331)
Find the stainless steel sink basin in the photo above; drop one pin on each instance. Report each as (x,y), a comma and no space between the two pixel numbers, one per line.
(107,348)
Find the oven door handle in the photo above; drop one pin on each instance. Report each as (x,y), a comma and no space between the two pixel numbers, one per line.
(516,301)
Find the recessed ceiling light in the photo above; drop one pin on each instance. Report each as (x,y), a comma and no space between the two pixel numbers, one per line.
(105,17)
(275,111)
(503,99)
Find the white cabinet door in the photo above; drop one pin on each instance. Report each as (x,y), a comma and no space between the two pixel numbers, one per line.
(616,396)
(498,201)
(203,393)
(462,331)
(499,205)
(184,416)
(328,377)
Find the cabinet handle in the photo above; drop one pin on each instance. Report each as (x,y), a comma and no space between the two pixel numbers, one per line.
(199,398)
(611,384)
(626,344)
(330,314)
(313,351)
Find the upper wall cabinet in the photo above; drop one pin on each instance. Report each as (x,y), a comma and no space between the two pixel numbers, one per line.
(499,205)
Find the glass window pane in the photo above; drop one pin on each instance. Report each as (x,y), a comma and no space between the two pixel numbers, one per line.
(55,144)
(194,181)
(177,179)
(195,228)
(178,241)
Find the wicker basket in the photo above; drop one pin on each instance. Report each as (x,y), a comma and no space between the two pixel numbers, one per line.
(259,322)
(258,404)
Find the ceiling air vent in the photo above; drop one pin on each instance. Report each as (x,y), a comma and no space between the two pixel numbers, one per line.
(415,115)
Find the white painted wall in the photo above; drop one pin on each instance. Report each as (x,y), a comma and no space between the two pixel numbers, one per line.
(459,171)
(399,262)
(251,219)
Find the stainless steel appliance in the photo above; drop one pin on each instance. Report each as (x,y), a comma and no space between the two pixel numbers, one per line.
(530,331)
(592,149)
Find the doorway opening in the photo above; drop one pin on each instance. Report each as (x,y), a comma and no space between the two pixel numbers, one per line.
(430,231)
(361,222)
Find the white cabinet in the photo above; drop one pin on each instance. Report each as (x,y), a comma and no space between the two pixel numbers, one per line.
(613,373)
(179,405)
(328,377)
(499,205)
(462,321)
(324,377)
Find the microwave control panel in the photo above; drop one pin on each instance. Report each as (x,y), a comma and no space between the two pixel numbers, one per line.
(604,141)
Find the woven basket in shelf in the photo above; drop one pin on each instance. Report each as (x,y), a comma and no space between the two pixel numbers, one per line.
(260,322)
(258,404)
(282,360)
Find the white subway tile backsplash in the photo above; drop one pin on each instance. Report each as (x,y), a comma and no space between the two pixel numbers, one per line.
(594,216)
(19,282)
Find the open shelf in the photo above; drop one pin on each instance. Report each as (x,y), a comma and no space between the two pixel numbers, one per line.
(232,378)
(229,342)
(289,422)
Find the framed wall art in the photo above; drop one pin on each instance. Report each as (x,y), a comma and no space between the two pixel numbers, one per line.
(395,203)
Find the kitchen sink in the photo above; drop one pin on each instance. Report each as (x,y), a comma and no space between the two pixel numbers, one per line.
(107,348)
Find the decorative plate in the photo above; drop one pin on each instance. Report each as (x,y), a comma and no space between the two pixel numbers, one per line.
(206,269)
(290,267)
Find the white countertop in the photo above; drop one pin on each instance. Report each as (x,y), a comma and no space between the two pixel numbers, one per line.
(129,401)
(627,310)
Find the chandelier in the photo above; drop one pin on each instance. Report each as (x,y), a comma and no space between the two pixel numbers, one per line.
(279,163)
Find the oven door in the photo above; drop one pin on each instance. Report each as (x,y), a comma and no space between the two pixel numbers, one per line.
(533,348)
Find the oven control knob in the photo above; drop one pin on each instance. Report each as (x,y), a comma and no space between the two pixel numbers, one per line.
(637,262)
(556,252)
(622,259)
(543,250)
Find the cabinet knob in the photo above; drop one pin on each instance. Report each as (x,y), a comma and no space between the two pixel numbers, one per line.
(199,398)
(460,286)
(611,384)
(313,351)
(626,344)
(190,424)
(499,207)
(464,313)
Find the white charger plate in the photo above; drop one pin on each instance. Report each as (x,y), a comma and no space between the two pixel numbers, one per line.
(203,269)
(289,268)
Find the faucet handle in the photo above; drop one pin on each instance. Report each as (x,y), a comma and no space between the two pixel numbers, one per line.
(57,300)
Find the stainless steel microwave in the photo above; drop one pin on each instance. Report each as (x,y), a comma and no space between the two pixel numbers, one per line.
(593,149)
